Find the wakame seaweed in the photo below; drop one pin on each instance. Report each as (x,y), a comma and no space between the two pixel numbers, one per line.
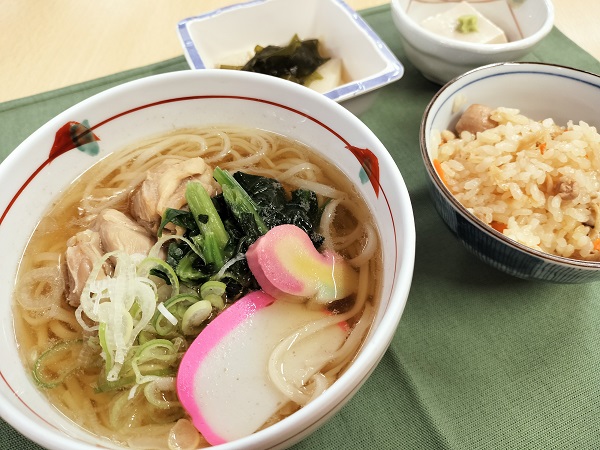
(297,61)
(269,205)
(275,209)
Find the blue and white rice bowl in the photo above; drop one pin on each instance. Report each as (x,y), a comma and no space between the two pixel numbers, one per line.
(539,91)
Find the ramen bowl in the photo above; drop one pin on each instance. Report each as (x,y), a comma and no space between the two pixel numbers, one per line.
(367,62)
(539,91)
(46,163)
(441,58)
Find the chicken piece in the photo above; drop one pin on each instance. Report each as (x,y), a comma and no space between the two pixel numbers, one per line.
(567,189)
(475,119)
(119,232)
(83,250)
(164,187)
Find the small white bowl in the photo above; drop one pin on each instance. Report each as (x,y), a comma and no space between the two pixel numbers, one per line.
(539,91)
(37,171)
(440,59)
(367,61)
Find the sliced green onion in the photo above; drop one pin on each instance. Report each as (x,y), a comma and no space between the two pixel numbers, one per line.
(161,350)
(158,391)
(151,263)
(121,305)
(57,363)
(177,306)
(130,380)
(145,336)
(213,291)
(108,361)
(212,287)
(152,355)
(195,316)
(115,412)
(215,300)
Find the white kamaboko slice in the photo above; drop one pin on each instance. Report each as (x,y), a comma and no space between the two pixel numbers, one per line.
(224,380)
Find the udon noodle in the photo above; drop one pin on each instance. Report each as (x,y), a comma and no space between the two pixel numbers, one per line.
(44,318)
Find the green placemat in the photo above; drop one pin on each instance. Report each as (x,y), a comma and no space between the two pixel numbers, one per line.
(480,360)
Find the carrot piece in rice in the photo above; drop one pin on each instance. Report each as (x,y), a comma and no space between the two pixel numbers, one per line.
(438,168)
(498,226)
(542,147)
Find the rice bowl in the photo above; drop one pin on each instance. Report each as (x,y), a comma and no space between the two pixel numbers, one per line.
(534,181)
(538,91)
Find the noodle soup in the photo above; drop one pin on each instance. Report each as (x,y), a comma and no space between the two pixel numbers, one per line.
(134,402)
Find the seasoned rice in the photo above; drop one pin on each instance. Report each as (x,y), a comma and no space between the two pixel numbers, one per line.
(535,181)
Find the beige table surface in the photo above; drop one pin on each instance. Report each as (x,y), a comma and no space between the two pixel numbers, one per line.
(50,44)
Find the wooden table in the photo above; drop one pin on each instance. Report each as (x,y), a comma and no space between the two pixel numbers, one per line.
(56,43)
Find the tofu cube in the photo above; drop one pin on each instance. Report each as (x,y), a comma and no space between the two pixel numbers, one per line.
(445,24)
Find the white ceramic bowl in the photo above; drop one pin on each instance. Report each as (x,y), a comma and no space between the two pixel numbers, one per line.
(368,62)
(440,59)
(33,176)
(539,91)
